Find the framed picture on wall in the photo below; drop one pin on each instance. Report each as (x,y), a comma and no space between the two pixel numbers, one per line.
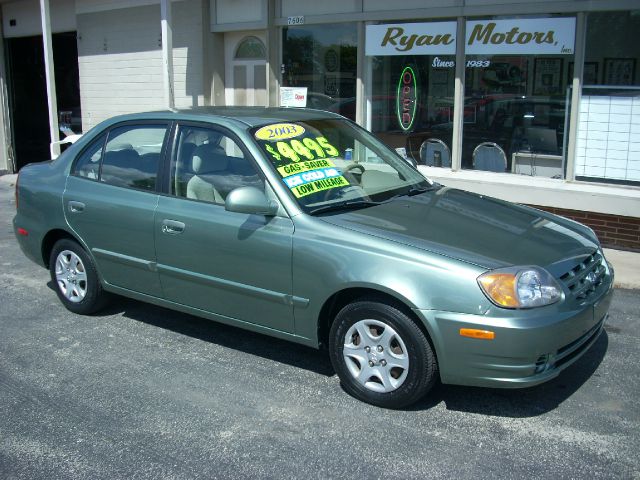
(619,71)
(443,112)
(589,74)
(547,75)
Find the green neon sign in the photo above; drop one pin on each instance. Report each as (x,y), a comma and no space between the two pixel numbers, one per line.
(407,99)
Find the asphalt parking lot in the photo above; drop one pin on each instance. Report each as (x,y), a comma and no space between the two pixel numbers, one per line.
(143,392)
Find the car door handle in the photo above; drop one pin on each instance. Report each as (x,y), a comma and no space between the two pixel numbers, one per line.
(172,227)
(76,207)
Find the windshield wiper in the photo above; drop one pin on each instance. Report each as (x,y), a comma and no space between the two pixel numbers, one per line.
(348,205)
(414,190)
(418,190)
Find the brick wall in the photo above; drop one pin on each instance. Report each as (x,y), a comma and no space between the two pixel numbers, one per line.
(614,231)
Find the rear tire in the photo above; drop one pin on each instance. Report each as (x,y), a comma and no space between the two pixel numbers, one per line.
(75,278)
(380,355)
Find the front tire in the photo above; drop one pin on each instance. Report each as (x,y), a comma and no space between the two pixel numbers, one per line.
(75,278)
(380,355)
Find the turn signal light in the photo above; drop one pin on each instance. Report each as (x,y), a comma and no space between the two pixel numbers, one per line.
(475,333)
(501,288)
(22,231)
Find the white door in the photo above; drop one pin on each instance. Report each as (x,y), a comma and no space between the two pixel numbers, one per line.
(246,69)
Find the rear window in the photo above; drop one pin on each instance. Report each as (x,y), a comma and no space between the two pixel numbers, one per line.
(130,158)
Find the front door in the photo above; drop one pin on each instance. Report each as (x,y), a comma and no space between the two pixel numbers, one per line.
(230,264)
(246,69)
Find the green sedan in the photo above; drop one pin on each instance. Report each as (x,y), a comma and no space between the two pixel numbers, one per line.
(299,224)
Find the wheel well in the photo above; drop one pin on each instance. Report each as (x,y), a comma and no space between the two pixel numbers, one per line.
(50,240)
(340,299)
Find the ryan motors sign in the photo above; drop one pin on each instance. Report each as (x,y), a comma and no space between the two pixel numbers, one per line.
(530,36)
(436,38)
(522,36)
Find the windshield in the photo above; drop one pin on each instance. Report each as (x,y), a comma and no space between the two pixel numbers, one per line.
(329,163)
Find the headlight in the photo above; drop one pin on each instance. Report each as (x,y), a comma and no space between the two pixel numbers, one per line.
(520,287)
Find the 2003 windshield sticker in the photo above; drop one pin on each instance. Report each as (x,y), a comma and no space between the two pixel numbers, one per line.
(309,169)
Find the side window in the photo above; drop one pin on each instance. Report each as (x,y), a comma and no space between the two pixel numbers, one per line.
(88,165)
(132,155)
(208,164)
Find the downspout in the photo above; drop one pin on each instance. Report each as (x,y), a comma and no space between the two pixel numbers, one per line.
(7,156)
(167,52)
(50,78)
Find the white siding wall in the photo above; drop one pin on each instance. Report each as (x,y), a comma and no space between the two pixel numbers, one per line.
(92,6)
(188,53)
(120,60)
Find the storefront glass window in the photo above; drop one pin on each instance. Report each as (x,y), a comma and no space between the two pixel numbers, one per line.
(516,95)
(608,145)
(412,88)
(423,133)
(324,60)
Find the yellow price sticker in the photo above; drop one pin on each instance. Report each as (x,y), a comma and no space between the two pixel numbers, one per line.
(307,149)
(279,131)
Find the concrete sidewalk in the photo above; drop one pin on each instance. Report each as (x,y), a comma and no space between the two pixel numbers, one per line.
(9,179)
(626,264)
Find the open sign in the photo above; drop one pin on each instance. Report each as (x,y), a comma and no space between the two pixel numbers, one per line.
(407,99)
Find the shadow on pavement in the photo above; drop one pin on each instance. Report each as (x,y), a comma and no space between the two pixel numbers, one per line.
(515,403)
(227,336)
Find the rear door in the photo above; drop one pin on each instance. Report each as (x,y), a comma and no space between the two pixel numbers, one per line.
(231,264)
(110,200)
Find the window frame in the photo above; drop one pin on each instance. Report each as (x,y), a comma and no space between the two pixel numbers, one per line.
(100,136)
(171,157)
(105,135)
(74,164)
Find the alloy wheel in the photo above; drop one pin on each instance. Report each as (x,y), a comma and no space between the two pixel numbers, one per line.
(71,276)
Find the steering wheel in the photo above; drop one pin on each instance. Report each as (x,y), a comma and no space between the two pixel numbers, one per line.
(354,166)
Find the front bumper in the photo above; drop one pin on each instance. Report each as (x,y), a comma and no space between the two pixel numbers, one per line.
(530,346)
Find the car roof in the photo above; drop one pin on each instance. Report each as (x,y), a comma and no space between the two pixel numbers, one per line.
(250,116)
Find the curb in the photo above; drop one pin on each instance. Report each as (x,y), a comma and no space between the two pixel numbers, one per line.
(9,179)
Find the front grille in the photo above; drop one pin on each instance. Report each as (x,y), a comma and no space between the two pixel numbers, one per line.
(575,348)
(583,279)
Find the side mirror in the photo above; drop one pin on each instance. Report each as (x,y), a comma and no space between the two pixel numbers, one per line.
(250,200)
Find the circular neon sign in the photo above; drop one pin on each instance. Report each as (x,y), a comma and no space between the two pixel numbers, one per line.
(407,99)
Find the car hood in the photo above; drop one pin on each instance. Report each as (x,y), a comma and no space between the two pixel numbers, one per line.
(473,228)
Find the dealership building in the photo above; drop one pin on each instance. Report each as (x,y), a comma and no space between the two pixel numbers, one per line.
(536,102)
